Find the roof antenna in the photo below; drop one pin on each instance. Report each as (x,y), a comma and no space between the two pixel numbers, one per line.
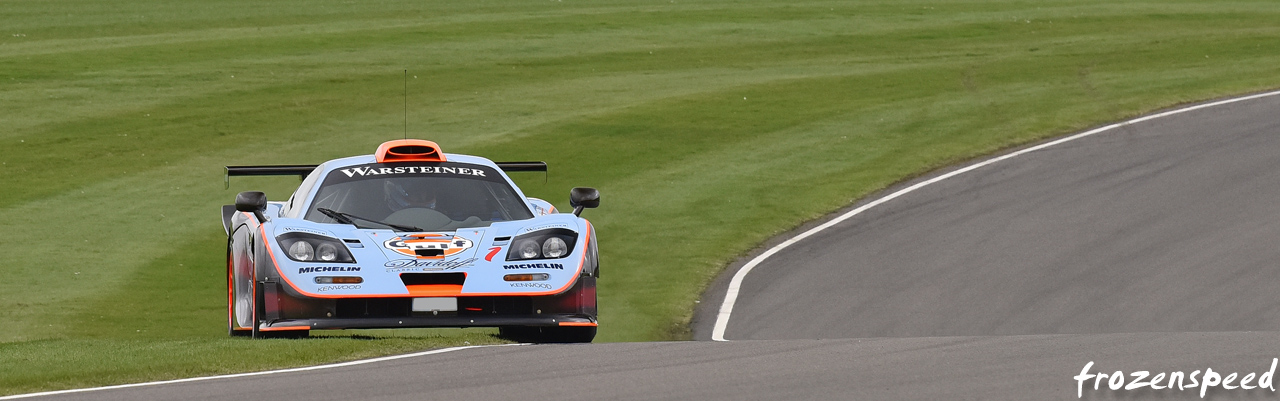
(406,104)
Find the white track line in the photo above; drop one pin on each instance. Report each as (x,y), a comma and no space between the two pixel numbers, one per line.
(735,285)
(269,372)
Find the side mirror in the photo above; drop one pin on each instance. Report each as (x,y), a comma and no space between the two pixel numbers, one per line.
(583,197)
(253,202)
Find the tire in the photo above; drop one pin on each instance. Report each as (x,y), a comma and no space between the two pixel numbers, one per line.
(256,305)
(570,334)
(289,334)
(548,334)
(232,296)
(520,334)
(259,299)
(244,304)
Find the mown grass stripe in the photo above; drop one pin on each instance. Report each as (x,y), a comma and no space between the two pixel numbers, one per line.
(642,100)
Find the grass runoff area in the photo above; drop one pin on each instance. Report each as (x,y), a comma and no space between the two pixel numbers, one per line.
(708,127)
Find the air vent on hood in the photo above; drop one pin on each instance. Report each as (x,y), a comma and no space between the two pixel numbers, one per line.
(409,150)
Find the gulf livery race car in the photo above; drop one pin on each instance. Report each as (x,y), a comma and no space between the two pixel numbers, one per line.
(410,237)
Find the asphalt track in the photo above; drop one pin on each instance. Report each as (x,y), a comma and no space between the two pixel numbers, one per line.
(1168,225)
(1150,247)
(1013,367)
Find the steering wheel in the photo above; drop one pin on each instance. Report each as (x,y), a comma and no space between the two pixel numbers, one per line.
(421,217)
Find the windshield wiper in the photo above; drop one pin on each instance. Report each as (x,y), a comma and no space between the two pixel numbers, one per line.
(336,216)
(346,218)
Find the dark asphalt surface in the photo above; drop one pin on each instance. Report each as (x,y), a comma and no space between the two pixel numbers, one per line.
(1169,225)
(1152,247)
(1010,367)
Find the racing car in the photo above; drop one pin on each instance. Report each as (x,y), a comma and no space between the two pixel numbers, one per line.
(410,237)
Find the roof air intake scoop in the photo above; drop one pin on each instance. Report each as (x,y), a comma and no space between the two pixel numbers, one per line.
(409,150)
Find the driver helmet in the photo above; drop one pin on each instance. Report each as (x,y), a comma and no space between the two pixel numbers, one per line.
(403,196)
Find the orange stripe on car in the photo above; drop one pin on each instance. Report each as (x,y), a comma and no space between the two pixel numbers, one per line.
(285,328)
(231,320)
(435,290)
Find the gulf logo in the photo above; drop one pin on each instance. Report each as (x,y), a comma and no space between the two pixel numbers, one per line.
(428,246)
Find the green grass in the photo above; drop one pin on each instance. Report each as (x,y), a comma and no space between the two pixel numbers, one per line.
(40,365)
(708,127)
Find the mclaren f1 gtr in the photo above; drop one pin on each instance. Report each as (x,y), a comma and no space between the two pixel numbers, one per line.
(410,237)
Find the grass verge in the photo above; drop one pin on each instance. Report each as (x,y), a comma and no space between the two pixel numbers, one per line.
(708,127)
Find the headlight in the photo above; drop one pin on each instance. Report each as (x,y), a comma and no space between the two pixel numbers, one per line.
(527,249)
(305,247)
(328,252)
(554,243)
(554,247)
(302,251)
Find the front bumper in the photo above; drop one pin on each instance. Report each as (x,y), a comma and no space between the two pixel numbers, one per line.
(281,311)
(433,321)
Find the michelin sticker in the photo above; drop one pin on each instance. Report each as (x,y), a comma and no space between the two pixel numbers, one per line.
(328,269)
(556,266)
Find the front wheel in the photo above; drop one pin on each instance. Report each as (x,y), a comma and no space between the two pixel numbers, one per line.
(238,305)
(548,334)
(258,300)
(289,334)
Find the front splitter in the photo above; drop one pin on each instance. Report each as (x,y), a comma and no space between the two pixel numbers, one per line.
(425,322)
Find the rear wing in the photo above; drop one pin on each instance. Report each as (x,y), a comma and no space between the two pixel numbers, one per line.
(522,166)
(516,167)
(290,169)
(302,170)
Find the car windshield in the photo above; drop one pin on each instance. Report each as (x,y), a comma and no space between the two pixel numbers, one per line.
(431,196)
